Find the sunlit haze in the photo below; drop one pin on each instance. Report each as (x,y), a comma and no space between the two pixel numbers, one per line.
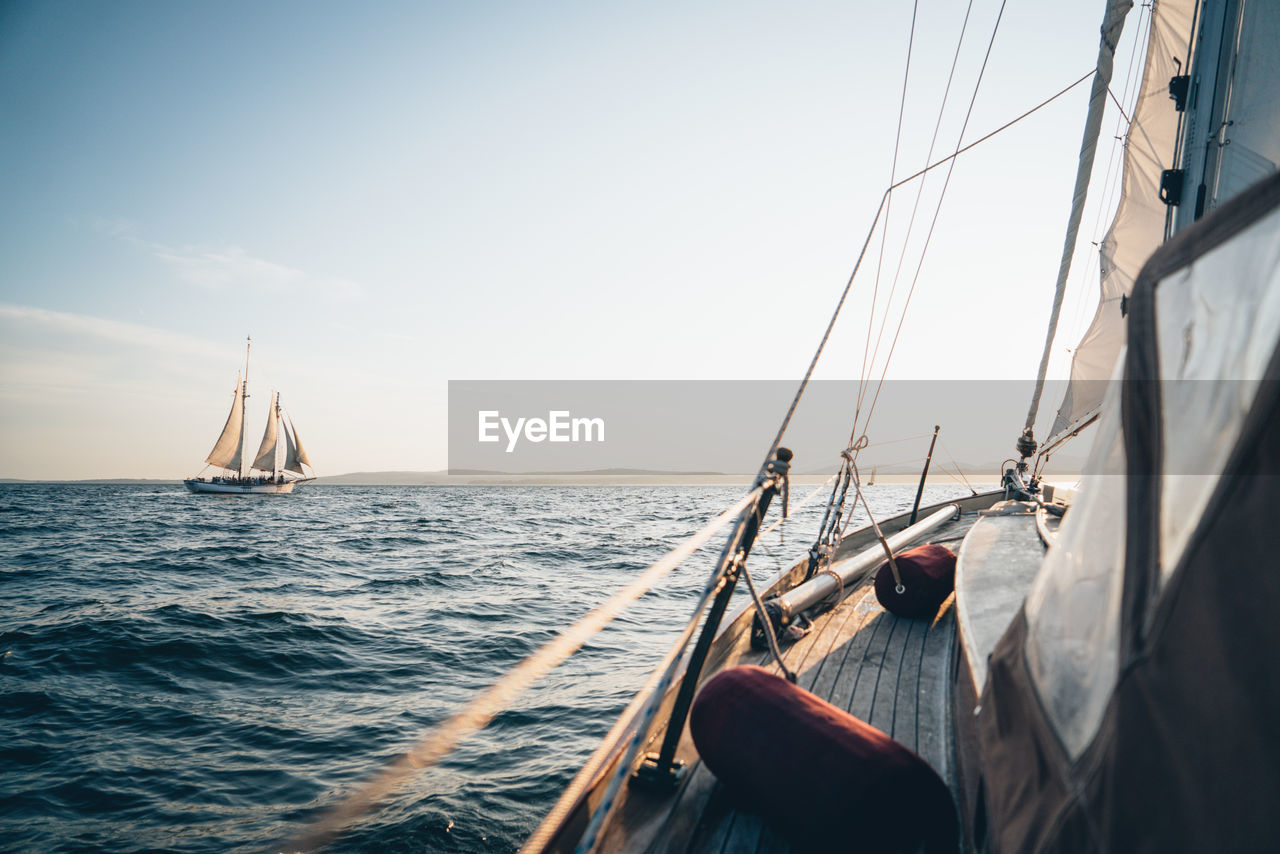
(388,196)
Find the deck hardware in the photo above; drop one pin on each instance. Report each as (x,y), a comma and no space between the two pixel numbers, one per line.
(652,775)
(662,771)
(1171,186)
(1179,86)
(924,475)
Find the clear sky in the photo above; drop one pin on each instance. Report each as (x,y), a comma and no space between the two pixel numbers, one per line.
(391,195)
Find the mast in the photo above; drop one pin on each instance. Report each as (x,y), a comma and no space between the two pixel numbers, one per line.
(1112,25)
(244,396)
(1138,224)
(275,469)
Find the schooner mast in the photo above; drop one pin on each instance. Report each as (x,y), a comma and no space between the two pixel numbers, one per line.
(280,453)
(244,398)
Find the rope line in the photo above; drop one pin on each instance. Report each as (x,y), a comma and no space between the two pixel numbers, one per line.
(893,174)
(973,99)
(480,710)
(728,554)
(796,507)
(864,377)
(767,623)
(956,465)
(899,587)
(844,295)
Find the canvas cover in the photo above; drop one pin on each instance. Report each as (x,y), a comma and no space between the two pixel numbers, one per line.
(824,779)
(1184,754)
(928,576)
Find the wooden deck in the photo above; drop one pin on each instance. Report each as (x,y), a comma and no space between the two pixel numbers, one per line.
(889,671)
(886,670)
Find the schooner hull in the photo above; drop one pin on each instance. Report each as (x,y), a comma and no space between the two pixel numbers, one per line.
(205,486)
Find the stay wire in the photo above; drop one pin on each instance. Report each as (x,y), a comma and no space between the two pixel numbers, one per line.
(844,294)
(864,377)
(893,174)
(937,210)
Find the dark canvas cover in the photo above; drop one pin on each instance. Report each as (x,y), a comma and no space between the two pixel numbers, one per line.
(928,576)
(1187,757)
(823,778)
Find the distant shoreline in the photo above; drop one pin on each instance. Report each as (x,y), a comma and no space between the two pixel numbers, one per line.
(636,478)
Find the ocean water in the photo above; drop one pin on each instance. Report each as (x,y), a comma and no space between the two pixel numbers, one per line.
(206,673)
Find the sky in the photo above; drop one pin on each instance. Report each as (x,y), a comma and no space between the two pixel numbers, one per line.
(396,195)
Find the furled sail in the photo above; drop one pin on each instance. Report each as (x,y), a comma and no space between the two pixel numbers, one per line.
(295,454)
(226,451)
(1112,26)
(1138,227)
(266,459)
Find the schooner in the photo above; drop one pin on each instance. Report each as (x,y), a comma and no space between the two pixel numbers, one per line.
(277,468)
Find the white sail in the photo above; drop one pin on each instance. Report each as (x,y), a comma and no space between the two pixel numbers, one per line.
(266,459)
(1138,226)
(1112,26)
(226,451)
(295,454)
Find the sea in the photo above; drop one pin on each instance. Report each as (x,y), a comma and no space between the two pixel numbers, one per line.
(198,673)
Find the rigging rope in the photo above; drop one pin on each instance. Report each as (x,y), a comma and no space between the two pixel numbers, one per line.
(864,376)
(731,554)
(893,174)
(959,471)
(937,210)
(480,710)
(844,294)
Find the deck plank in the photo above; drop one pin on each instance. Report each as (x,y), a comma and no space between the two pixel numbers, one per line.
(889,671)
(864,689)
(744,836)
(884,697)
(859,613)
(855,653)
(907,690)
(933,691)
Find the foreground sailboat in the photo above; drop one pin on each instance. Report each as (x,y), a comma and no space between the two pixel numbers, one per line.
(278,468)
(1102,676)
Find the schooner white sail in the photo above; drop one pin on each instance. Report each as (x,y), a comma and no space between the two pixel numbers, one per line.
(280,464)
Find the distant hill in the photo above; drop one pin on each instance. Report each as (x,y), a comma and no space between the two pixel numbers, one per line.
(103,480)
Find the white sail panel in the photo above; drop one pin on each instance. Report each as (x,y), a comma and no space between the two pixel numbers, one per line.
(1138,227)
(295,454)
(266,458)
(226,451)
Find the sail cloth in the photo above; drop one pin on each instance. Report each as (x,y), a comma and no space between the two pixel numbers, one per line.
(227,450)
(266,459)
(295,454)
(1112,26)
(1138,227)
